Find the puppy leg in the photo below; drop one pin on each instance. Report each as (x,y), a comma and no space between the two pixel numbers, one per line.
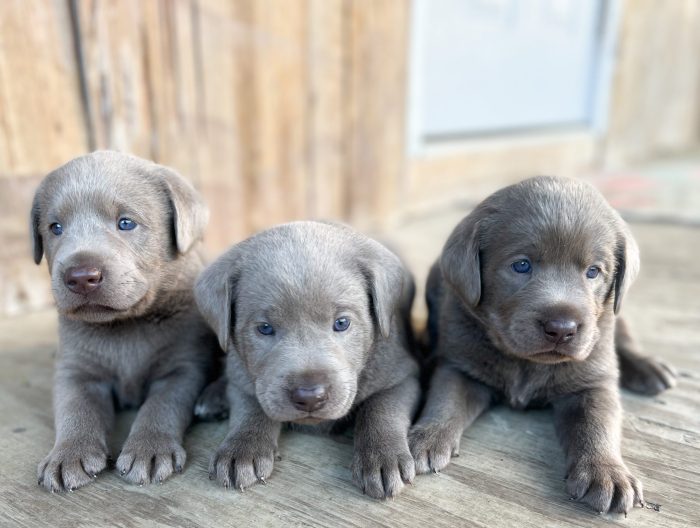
(454,402)
(382,461)
(247,455)
(83,414)
(153,449)
(640,374)
(589,427)
(212,404)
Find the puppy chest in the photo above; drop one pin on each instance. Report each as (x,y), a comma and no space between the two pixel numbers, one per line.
(514,385)
(128,365)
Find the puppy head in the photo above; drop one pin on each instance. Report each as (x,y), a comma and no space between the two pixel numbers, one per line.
(302,305)
(111,227)
(540,262)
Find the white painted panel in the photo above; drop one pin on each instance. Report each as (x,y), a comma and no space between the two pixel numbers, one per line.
(485,66)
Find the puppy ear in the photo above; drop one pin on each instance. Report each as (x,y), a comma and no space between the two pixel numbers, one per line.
(388,282)
(214,292)
(460,263)
(626,264)
(34,226)
(190,214)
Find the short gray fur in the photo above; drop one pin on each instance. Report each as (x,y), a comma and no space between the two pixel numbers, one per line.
(486,326)
(135,341)
(299,278)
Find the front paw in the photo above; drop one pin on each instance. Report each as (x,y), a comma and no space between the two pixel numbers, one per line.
(150,457)
(242,460)
(380,470)
(433,445)
(72,464)
(647,376)
(607,486)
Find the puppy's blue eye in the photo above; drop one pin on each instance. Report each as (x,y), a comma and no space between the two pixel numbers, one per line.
(592,272)
(341,324)
(56,228)
(266,329)
(126,224)
(521,266)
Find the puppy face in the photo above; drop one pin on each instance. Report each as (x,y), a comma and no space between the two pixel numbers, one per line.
(307,302)
(548,258)
(110,226)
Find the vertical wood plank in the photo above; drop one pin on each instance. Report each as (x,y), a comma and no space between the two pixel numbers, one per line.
(327,50)
(222,61)
(378,40)
(655,106)
(41,115)
(277,179)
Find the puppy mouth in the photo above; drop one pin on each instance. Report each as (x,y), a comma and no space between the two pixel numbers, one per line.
(90,307)
(309,420)
(93,313)
(550,357)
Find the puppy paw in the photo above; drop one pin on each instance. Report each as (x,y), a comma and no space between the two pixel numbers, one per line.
(433,445)
(647,376)
(72,464)
(607,486)
(242,461)
(381,470)
(212,404)
(150,457)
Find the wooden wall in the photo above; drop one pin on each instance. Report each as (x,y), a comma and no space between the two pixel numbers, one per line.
(655,99)
(275,109)
(282,109)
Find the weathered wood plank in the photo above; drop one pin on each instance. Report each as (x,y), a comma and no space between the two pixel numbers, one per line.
(377,33)
(41,118)
(327,97)
(655,110)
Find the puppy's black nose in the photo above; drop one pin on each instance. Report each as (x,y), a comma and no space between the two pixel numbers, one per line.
(309,399)
(83,279)
(560,331)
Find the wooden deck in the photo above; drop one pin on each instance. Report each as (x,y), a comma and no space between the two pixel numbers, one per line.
(510,472)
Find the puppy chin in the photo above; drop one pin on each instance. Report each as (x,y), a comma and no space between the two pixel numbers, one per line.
(283,412)
(91,313)
(546,353)
(99,311)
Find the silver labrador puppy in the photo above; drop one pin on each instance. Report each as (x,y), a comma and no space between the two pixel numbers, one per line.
(522,306)
(119,234)
(315,319)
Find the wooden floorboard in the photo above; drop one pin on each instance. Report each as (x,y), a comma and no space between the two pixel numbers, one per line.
(510,472)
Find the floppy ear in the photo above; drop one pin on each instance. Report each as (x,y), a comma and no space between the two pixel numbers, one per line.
(459,261)
(190,215)
(215,291)
(34,227)
(626,264)
(388,282)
